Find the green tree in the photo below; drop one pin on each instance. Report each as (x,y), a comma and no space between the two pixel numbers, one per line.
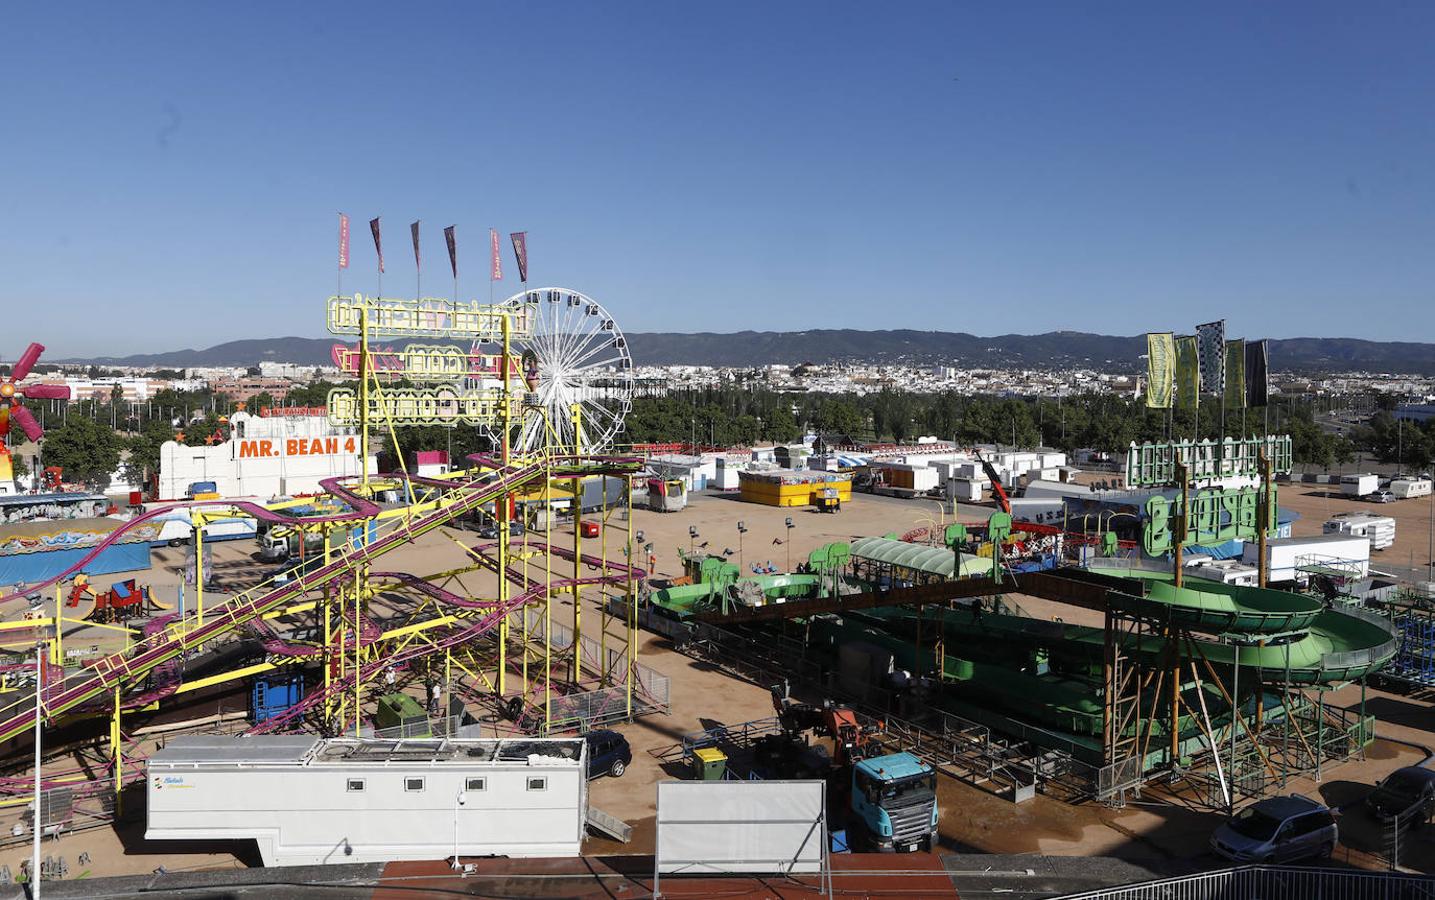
(89,451)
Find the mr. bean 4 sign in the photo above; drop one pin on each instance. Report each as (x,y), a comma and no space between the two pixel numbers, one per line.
(1216,515)
(266,448)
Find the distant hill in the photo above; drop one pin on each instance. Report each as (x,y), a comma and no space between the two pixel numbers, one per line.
(1057,349)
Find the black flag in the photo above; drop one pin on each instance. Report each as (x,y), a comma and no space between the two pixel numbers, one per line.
(452,250)
(1257,370)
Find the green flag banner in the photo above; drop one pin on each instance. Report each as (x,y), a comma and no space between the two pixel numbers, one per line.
(1160,369)
(1188,372)
(1236,374)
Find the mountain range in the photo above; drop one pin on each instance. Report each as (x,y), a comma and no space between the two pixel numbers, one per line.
(1057,349)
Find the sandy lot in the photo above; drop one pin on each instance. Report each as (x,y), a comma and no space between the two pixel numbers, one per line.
(972,818)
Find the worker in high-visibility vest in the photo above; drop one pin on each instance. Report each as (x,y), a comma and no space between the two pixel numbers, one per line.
(652,563)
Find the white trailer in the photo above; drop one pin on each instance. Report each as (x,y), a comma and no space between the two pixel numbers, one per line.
(310,801)
(966,490)
(178,529)
(1359,485)
(1410,488)
(1285,555)
(1379,530)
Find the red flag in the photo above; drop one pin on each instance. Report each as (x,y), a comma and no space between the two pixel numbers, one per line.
(343,241)
(378,244)
(414,230)
(497,273)
(452,249)
(520,253)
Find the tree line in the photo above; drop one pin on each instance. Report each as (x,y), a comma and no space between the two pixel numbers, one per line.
(92,439)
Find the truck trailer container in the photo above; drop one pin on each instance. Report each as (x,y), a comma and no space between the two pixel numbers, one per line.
(1359,485)
(313,801)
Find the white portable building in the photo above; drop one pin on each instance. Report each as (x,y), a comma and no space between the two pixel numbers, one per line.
(1380,530)
(1343,552)
(725,475)
(309,800)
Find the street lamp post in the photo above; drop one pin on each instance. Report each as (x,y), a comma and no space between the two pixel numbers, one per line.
(741,530)
(789,543)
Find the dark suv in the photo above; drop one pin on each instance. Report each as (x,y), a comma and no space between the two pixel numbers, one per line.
(1408,790)
(608,753)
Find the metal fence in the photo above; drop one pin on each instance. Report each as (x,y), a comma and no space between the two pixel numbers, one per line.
(84,805)
(1273,883)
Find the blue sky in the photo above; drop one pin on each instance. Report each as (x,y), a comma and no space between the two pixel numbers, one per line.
(173,171)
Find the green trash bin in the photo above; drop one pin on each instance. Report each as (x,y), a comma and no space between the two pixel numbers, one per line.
(709,764)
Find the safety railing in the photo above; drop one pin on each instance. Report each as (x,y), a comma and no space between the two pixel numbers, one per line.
(1296,883)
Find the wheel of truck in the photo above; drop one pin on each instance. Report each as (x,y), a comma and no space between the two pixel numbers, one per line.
(178,542)
(617,769)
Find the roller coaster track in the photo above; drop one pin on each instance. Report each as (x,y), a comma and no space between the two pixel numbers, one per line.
(128,668)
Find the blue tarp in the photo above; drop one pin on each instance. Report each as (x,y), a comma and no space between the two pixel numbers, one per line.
(33,567)
(1224,550)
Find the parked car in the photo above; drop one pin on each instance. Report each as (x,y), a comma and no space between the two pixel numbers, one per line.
(608,753)
(1402,790)
(489,529)
(1381,497)
(1278,829)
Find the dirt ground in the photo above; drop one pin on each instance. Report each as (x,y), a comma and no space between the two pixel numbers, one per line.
(1411,551)
(972,818)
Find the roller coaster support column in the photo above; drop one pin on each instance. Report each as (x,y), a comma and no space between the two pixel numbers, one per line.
(327,657)
(548,591)
(117,750)
(1182,519)
(364,402)
(1263,518)
(504,518)
(359,573)
(577,548)
(57,646)
(199,570)
(632,601)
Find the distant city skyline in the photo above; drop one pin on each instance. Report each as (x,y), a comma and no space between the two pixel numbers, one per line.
(177,170)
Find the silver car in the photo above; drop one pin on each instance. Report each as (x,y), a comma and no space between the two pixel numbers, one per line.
(1280,829)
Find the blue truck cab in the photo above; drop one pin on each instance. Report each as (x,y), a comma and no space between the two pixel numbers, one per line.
(894,800)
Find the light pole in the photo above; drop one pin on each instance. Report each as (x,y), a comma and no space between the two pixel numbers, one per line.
(741,530)
(458,802)
(37,824)
(789,544)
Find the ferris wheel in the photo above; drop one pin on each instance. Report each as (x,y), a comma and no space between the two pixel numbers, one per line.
(574,353)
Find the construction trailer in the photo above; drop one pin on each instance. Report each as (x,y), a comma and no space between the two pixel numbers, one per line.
(1380,530)
(311,801)
(1290,559)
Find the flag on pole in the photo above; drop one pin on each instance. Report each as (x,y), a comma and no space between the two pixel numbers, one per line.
(1236,374)
(378,244)
(497,273)
(414,230)
(343,241)
(520,253)
(448,238)
(1160,369)
(1211,339)
(1188,372)
(1257,373)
